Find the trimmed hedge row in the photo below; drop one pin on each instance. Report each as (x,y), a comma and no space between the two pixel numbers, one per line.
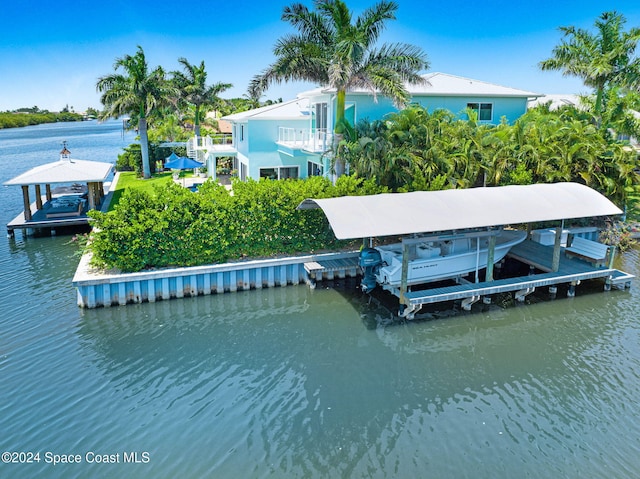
(175,227)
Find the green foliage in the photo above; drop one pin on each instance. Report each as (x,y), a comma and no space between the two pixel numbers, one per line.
(520,175)
(130,159)
(172,226)
(617,234)
(604,60)
(16,120)
(414,150)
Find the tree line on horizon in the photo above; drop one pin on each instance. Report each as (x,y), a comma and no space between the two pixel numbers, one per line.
(19,118)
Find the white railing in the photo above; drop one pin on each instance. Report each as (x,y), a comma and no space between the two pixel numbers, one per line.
(197,149)
(316,139)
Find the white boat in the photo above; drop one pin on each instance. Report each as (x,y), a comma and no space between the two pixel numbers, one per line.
(434,259)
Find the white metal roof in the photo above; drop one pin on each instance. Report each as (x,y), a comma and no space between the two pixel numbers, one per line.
(431,211)
(64,171)
(444,84)
(557,100)
(452,85)
(290,110)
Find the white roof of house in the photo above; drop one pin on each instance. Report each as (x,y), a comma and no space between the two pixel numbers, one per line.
(557,100)
(432,211)
(64,171)
(291,110)
(444,84)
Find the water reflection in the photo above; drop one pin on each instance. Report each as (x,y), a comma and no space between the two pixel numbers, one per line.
(291,379)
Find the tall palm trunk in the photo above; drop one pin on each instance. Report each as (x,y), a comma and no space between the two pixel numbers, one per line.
(196,123)
(338,131)
(144,147)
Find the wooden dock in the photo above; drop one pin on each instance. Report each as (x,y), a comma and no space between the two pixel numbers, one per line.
(332,268)
(37,223)
(572,271)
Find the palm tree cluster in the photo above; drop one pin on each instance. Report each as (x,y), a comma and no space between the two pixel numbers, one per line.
(605,61)
(141,93)
(334,50)
(416,150)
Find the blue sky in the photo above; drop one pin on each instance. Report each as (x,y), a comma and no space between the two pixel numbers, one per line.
(51,53)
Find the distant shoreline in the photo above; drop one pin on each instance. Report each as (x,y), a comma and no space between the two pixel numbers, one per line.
(19,120)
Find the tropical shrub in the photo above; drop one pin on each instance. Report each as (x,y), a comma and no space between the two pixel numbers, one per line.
(174,227)
(417,150)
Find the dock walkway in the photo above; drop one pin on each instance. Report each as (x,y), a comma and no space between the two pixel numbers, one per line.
(571,271)
(331,268)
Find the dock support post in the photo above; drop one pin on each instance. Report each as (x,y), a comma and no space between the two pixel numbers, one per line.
(555,264)
(27,203)
(521,295)
(553,291)
(468,302)
(405,273)
(612,254)
(38,198)
(490,255)
(572,290)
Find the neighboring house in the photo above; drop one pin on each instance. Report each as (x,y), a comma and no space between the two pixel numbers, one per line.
(288,140)
(557,100)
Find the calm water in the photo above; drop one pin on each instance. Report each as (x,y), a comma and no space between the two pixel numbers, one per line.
(298,383)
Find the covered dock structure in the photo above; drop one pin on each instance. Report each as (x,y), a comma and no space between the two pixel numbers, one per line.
(78,187)
(447,213)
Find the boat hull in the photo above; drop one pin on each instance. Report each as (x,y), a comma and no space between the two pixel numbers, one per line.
(437,261)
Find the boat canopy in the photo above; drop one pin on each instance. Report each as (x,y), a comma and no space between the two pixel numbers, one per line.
(433,211)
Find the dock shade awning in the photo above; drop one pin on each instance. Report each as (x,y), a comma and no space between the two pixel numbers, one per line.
(432,211)
(64,171)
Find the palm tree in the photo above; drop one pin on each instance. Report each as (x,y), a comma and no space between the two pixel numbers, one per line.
(137,93)
(601,60)
(252,96)
(193,89)
(331,49)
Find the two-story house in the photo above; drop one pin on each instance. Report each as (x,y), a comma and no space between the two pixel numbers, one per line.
(290,140)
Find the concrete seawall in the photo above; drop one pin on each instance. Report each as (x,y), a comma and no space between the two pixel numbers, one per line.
(98,288)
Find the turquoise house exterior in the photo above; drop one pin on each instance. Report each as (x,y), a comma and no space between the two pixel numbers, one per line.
(291,139)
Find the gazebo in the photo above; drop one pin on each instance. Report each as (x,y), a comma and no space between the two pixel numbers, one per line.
(85,177)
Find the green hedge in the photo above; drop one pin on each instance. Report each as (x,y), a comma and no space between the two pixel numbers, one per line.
(175,227)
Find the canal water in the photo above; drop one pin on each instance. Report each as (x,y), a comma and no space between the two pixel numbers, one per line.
(299,383)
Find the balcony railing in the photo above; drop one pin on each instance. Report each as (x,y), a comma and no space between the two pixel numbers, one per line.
(315,140)
(197,149)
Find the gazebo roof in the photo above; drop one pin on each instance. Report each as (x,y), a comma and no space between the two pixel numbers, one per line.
(64,171)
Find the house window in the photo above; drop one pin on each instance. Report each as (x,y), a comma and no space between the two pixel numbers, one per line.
(279,172)
(320,116)
(313,169)
(484,110)
(241,132)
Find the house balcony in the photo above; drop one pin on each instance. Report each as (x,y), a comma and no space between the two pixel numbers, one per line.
(315,140)
(220,145)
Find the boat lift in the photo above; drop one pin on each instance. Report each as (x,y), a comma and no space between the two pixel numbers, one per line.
(476,212)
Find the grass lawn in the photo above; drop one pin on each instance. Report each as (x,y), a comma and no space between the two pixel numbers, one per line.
(128,179)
